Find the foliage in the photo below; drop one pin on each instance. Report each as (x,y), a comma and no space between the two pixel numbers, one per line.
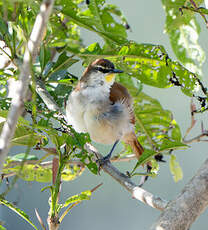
(61,49)
(179,26)
(17,210)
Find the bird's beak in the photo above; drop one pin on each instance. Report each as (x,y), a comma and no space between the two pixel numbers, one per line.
(117,71)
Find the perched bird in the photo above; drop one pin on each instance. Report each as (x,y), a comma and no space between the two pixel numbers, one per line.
(103,108)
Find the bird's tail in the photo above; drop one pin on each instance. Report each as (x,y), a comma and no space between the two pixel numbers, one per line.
(131,139)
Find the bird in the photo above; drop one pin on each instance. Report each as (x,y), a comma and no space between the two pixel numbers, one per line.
(102,107)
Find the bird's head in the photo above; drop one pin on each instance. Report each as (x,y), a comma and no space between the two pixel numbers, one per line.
(100,72)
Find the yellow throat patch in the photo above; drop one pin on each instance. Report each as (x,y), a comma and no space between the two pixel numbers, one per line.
(110,77)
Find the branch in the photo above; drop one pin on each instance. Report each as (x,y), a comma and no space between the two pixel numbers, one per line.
(137,192)
(198,138)
(190,203)
(17,104)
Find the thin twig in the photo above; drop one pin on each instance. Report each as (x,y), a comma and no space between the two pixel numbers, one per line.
(193,121)
(40,219)
(17,104)
(196,8)
(198,138)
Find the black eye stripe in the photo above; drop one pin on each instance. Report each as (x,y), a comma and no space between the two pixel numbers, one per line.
(103,70)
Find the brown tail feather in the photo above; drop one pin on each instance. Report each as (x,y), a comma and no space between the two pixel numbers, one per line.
(131,139)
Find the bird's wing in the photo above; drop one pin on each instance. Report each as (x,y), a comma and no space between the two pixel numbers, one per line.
(119,93)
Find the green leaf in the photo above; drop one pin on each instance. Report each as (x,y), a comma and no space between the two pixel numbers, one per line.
(155,125)
(183,31)
(63,34)
(23,156)
(146,62)
(71,172)
(175,169)
(19,26)
(25,136)
(44,56)
(3,27)
(88,160)
(86,195)
(2,228)
(63,63)
(33,172)
(145,157)
(18,211)
(157,131)
(98,17)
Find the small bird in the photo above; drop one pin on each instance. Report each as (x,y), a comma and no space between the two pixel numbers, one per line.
(103,108)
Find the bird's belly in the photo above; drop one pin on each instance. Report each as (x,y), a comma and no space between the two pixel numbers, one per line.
(106,127)
(105,123)
(102,131)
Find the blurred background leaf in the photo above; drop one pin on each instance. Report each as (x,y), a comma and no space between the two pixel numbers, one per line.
(183,31)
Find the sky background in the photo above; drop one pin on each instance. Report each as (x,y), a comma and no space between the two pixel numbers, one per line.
(111,207)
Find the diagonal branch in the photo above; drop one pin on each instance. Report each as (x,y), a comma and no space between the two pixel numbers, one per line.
(17,104)
(137,192)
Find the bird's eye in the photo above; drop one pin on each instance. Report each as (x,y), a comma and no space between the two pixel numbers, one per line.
(103,70)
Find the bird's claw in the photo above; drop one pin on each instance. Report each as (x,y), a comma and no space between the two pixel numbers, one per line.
(102,161)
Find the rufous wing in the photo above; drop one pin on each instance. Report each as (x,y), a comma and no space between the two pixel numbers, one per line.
(131,139)
(120,93)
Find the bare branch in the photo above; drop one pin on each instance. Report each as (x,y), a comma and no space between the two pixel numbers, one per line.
(189,204)
(197,138)
(21,88)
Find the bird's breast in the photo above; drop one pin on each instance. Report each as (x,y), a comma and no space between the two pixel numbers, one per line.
(94,113)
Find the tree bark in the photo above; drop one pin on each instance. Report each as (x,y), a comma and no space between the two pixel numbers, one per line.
(188,205)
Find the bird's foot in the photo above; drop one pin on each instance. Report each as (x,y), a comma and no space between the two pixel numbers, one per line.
(106,159)
(103,161)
